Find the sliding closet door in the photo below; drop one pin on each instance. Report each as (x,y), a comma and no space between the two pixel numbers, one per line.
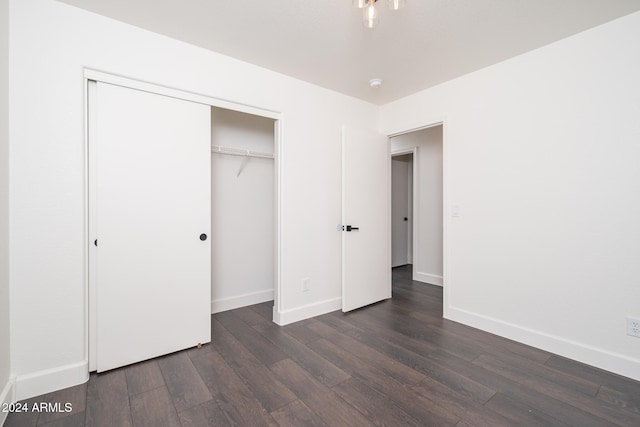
(153,213)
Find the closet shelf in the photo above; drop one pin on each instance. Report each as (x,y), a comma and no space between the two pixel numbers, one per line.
(240,152)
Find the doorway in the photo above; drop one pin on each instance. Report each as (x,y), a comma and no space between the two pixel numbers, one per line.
(401,209)
(421,152)
(242,209)
(157,176)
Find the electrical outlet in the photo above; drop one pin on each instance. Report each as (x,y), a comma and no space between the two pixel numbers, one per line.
(306,285)
(633,327)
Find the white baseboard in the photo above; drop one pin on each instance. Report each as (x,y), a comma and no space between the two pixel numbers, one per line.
(307,311)
(597,357)
(7,396)
(229,303)
(431,279)
(49,380)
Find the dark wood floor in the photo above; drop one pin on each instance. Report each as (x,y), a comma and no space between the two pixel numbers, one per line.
(396,363)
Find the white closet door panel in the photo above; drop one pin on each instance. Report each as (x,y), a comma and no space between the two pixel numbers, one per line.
(366,269)
(153,203)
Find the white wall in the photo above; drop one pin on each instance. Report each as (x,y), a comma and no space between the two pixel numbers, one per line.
(242,212)
(5,386)
(50,44)
(541,155)
(427,261)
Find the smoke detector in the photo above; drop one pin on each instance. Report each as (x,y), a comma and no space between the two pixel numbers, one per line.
(375,83)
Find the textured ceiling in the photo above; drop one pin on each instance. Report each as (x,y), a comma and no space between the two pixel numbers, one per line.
(325,43)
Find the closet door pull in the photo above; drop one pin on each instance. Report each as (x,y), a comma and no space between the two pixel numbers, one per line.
(203,237)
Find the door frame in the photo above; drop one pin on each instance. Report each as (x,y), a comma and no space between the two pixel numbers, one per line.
(278,117)
(447,276)
(414,194)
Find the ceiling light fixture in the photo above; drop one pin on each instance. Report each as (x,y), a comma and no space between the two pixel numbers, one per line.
(375,83)
(370,12)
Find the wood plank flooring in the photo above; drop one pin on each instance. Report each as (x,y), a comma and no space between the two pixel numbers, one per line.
(395,363)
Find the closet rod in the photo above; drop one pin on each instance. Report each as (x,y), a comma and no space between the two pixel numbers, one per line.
(240,152)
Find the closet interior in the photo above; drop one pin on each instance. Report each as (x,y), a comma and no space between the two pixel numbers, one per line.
(242,209)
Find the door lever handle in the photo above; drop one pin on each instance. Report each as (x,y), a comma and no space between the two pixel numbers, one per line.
(349,228)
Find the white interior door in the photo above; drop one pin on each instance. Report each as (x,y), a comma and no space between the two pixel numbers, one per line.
(399,211)
(366,264)
(151,155)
